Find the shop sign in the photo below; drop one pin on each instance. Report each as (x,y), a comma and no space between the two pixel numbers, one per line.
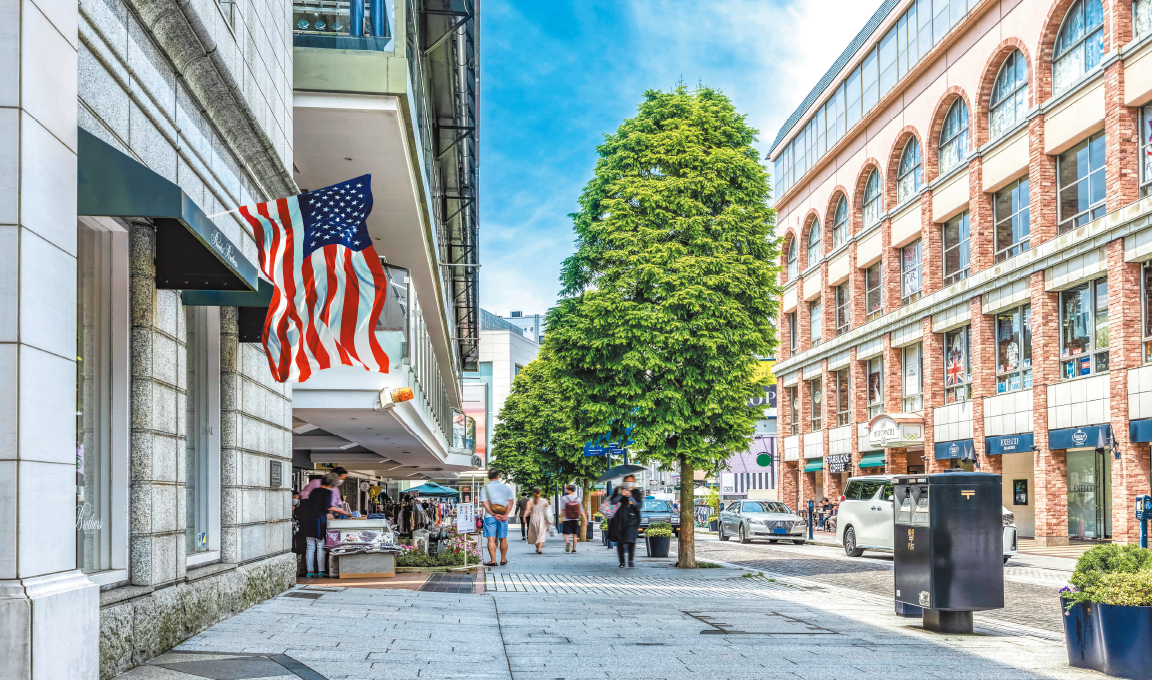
(963,449)
(886,432)
(839,462)
(1010,443)
(1087,437)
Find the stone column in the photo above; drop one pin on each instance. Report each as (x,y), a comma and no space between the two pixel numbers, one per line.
(805,336)
(856,290)
(933,389)
(983,339)
(896,461)
(931,251)
(857,405)
(1121,142)
(893,385)
(980,220)
(49,610)
(1049,466)
(890,266)
(1041,185)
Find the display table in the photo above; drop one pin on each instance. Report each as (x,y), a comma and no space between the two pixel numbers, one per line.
(366,565)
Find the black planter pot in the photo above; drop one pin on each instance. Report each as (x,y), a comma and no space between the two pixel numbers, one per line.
(657,545)
(712,526)
(589,531)
(1112,639)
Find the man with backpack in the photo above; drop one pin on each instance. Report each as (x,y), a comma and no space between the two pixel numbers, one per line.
(573,512)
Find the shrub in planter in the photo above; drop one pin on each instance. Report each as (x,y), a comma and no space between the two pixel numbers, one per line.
(1108,611)
(657,538)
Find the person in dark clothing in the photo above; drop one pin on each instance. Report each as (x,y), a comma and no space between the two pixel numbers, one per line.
(522,514)
(625,524)
(312,514)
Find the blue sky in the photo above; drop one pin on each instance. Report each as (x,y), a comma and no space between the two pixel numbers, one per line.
(557,75)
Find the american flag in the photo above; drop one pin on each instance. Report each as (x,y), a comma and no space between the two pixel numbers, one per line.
(330,287)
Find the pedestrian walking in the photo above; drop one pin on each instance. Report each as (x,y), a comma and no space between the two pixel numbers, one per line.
(625,524)
(522,514)
(573,512)
(539,518)
(312,514)
(497,499)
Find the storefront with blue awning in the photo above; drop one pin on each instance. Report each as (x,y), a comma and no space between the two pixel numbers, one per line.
(1088,454)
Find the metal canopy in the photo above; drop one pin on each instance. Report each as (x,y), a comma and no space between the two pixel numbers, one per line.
(251,308)
(191,252)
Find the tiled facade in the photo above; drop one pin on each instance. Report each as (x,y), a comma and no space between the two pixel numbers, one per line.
(1077,288)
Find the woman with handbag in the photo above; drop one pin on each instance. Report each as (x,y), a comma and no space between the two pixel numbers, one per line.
(539,519)
(624,527)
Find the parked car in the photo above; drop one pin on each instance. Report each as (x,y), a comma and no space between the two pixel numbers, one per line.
(866,520)
(655,511)
(772,520)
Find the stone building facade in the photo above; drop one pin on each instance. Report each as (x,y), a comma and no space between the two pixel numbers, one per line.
(145,450)
(966,235)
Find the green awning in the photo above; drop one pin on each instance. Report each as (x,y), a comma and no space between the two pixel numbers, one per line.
(872,460)
(191,252)
(814,465)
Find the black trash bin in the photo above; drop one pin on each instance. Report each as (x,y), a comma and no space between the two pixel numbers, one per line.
(948,546)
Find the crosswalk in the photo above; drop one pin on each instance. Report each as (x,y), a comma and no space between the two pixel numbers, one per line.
(632,586)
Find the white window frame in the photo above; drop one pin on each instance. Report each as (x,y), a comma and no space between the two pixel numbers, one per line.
(1008,95)
(879,288)
(953,149)
(843,310)
(911,279)
(1019,212)
(814,249)
(816,401)
(1141,17)
(1021,320)
(840,223)
(120,421)
(1067,223)
(962,390)
(913,399)
(875,367)
(873,210)
(815,322)
(909,176)
(212,554)
(1075,53)
(962,246)
(1097,353)
(791,257)
(842,382)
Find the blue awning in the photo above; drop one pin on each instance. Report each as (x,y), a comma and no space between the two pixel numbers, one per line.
(962,448)
(1087,437)
(1009,443)
(1140,430)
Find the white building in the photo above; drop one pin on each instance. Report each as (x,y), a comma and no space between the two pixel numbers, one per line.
(533,325)
(504,352)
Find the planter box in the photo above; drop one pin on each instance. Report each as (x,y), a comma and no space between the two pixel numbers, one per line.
(1112,639)
(658,545)
(712,526)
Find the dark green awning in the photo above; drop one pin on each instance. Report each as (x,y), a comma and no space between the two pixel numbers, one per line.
(872,460)
(191,252)
(814,465)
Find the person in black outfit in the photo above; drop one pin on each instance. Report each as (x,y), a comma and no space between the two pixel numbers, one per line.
(625,524)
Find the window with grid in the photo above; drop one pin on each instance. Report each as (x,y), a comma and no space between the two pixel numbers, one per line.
(791,260)
(840,384)
(1079,44)
(816,395)
(875,387)
(814,250)
(793,332)
(912,367)
(954,136)
(910,280)
(908,174)
(1009,101)
(872,207)
(840,224)
(1084,329)
(1014,349)
(1080,182)
(1010,212)
(814,321)
(957,254)
(873,294)
(794,410)
(957,366)
(1146,147)
(843,313)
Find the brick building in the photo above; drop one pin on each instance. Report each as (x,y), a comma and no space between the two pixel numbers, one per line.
(965,268)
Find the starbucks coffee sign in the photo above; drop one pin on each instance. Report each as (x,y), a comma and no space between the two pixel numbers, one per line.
(895,431)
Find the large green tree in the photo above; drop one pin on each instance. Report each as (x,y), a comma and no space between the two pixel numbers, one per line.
(671,292)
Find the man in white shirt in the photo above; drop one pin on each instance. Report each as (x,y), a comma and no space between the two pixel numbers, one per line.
(498,500)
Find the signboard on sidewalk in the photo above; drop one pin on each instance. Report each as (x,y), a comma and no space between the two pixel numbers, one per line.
(466,518)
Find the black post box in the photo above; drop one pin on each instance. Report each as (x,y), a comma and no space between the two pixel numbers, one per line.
(948,546)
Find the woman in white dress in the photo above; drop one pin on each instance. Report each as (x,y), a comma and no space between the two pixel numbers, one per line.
(537,512)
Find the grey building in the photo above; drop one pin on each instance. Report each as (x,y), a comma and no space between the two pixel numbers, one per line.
(532,325)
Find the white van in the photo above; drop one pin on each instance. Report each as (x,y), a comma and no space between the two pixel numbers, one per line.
(865,519)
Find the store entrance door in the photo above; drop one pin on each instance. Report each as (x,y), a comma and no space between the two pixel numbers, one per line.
(1089,494)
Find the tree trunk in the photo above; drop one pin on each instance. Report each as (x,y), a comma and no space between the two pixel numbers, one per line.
(586,499)
(686,552)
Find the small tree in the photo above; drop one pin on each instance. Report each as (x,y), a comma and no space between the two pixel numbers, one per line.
(671,291)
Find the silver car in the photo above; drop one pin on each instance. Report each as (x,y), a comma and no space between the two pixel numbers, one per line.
(760,519)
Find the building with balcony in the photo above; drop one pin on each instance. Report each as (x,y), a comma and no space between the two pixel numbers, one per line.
(965,226)
(391,89)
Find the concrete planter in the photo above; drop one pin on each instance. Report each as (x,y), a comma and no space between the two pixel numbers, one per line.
(1112,639)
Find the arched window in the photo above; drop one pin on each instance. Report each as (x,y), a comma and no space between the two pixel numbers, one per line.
(908,175)
(1079,45)
(792,259)
(954,136)
(872,200)
(840,224)
(814,249)
(1009,95)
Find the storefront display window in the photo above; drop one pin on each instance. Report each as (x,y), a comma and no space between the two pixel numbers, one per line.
(1084,329)
(1089,494)
(910,273)
(913,371)
(875,387)
(196,441)
(1014,350)
(816,394)
(957,366)
(842,392)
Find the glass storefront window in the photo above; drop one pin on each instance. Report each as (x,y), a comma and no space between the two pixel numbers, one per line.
(875,387)
(1014,350)
(196,441)
(1089,486)
(913,369)
(910,283)
(1084,329)
(957,366)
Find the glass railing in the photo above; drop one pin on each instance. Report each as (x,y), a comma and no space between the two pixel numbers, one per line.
(344,24)
(394,326)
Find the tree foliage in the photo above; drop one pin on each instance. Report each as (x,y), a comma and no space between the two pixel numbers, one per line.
(671,292)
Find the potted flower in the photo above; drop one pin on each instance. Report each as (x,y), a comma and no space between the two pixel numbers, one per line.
(713,522)
(657,539)
(1108,611)
(604,531)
